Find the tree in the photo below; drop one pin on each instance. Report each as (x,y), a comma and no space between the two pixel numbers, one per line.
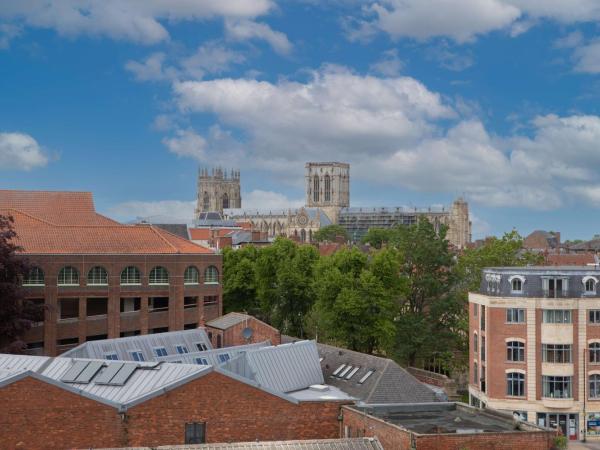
(431,320)
(284,289)
(377,237)
(355,304)
(239,281)
(17,314)
(495,252)
(331,233)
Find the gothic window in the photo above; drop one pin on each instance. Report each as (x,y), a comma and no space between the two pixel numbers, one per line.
(225,201)
(303,235)
(327,188)
(316,188)
(206,202)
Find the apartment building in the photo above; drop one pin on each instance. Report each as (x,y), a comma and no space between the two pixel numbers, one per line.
(535,346)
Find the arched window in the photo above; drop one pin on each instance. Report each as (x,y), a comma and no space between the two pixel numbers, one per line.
(211,275)
(158,275)
(515,351)
(97,276)
(35,277)
(191,276)
(595,352)
(303,235)
(595,386)
(517,285)
(206,202)
(316,188)
(515,384)
(327,188)
(68,276)
(225,201)
(131,275)
(590,284)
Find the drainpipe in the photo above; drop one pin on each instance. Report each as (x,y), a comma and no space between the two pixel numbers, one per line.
(585,379)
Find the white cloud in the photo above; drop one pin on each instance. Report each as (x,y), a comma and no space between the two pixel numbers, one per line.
(461,20)
(173,210)
(132,20)
(336,113)
(7,33)
(464,20)
(20,151)
(571,40)
(390,64)
(243,30)
(212,57)
(587,58)
(187,143)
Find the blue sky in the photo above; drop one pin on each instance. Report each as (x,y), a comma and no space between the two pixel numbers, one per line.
(495,100)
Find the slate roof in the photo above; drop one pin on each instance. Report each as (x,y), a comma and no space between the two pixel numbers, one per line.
(228,320)
(178,229)
(593,245)
(388,383)
(67,223)
(320,444)
(145,343)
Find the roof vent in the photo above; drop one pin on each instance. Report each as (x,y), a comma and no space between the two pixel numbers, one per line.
(319,388)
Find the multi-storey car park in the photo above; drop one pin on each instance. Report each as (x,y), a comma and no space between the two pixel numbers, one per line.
(535,346)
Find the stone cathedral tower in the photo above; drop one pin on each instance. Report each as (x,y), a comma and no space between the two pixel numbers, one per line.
(218,191)
(328,187)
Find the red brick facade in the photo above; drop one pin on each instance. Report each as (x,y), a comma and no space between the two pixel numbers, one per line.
(115,323)
(233,335)
(37,415)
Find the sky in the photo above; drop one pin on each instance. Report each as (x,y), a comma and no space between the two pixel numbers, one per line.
(497,101)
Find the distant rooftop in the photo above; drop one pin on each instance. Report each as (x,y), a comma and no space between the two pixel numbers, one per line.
(540,269)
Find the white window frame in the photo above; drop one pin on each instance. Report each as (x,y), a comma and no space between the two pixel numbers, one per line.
(108,356)
(36,281)
(138,352)
(158,281)
(127,281)
(181,349)
(197,278)
(584,280)
(73,270)
(94,283)
(156,351)
(521,278)
(216,281)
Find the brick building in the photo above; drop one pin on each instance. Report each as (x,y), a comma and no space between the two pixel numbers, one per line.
(442,426)
(239,329)
(265,393)
(102,279)
(535,346)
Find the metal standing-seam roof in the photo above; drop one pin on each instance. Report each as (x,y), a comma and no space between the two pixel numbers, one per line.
(212,356)
(146,343)
(282,368)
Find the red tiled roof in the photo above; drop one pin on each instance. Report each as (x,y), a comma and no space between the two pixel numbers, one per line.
(244,225)
(570,259)
(67,223)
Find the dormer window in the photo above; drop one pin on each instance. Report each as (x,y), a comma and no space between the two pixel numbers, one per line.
(589,284)
(516,284)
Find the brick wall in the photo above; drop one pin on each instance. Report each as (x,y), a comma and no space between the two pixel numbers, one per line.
(37,415)
(260,332)
(359,424)
(394,437)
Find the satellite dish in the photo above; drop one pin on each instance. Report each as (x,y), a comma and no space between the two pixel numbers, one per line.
(247,333)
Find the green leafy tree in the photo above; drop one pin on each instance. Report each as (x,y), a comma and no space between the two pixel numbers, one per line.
(377,237)
(495,252)
(239,281)
(284,274)
(331,233)
(355,304)
(431,321)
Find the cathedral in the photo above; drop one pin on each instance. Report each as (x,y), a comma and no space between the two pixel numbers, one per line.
(327,188)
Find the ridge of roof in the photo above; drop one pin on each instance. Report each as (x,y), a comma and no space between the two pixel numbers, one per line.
(163,238)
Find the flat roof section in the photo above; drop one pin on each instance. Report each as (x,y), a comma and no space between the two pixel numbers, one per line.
(445,418)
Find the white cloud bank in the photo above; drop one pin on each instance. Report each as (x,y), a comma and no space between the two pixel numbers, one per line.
(20,151)
(464,20)
(131,20)
(396,131)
